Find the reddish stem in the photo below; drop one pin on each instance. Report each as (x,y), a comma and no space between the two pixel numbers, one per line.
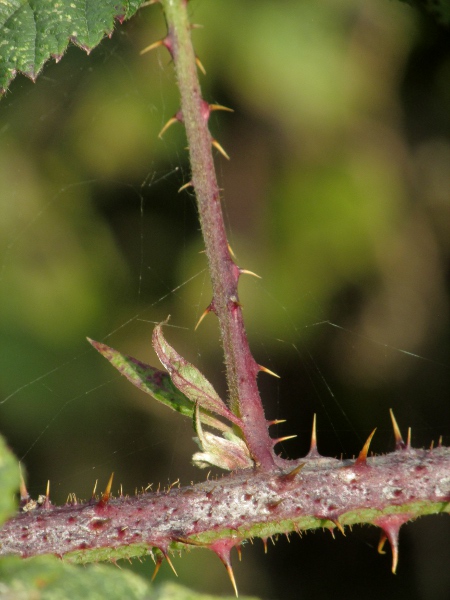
(241,367)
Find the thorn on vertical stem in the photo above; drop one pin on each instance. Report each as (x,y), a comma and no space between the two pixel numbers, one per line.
(207,310)
(399,443)
(362,458)
(185,186)
(213,107)
(246,272)
(269,372)
(164,42)
(199,65)
(440,441)
(169,123)
(218,147)
(230,250)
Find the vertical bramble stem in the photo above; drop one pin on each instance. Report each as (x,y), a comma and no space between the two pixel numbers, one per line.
(241,367)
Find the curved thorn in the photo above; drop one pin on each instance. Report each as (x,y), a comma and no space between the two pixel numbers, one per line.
(205,312)
(218,147)
(230,250)
(283,439)
(246,272)
(199,65)
(269,372)
(399,443)
(339,526)
(363,454)
(185,186)
(107,493)
(169,123)
(152,47)
(220,107)
(383,538)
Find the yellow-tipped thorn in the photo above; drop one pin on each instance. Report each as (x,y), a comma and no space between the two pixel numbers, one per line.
(157,566)
(293,473)
(440,441)
(268,371)
(339,526)
(152,47)
(363,454)
(218,147)
(169,123)
(283,439)
(24,495)
(246,272)
(47,491)
(383,538)
(230,250)
(107,493)
(170,564)
(399,443)
(205,312)
(408,439)
(220,107)
(313,448)
(185,186)
(239,551)
(232,579)
(199,65)
(265,545)
(276,422)
(95,488)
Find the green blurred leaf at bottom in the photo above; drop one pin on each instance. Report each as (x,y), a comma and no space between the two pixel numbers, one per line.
(49,578)
(9,482)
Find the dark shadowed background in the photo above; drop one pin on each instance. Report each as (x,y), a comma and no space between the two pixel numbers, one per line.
(337,193)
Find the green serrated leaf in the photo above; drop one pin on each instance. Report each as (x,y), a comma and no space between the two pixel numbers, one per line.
(9,482)
(188,379)
(32,31)
(156,383)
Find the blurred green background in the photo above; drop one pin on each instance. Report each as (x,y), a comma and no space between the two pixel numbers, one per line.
(337,193)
